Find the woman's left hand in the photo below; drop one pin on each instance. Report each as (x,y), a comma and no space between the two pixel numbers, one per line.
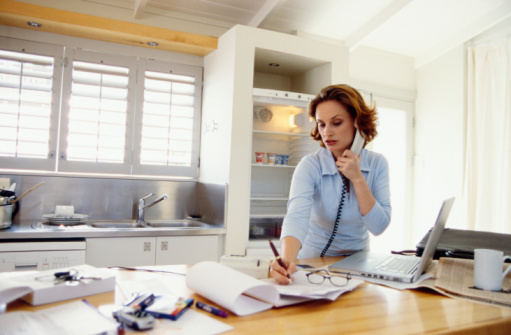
(349,165)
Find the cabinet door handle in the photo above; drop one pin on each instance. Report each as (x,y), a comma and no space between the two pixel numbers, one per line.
(25,267)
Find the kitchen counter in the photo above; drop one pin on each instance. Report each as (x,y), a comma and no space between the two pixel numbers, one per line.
(34,229)
(37,245)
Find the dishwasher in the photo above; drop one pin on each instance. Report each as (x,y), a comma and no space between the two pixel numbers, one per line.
(39,254)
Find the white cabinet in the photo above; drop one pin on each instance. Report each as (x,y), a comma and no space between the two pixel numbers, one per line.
(161,250)
(120,251)
(186,249)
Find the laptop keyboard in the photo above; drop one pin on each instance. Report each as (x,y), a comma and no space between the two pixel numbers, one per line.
(398,264)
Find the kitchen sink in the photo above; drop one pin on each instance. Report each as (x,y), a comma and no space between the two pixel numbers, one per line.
(130,224)
(116,224)
(175,224)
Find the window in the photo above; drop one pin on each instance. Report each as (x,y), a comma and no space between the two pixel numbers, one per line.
(394,141)
(27,99)
(26,104)
(97,113)
(168,131)
(112,114)
(167,119)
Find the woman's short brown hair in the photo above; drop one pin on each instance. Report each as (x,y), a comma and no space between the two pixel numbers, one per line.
(364,116)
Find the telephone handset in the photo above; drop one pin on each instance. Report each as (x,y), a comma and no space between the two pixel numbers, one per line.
(358,143)
(356,148)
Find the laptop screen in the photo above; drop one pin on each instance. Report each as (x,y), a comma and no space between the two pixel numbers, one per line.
(434,238)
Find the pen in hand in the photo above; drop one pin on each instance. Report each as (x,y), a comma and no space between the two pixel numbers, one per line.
(277,257)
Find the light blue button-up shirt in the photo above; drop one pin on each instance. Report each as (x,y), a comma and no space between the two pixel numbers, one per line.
(314,199)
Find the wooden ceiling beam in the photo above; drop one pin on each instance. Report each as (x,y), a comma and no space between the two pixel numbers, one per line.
(17,14)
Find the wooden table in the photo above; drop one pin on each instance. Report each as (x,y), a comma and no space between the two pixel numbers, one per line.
(369,309)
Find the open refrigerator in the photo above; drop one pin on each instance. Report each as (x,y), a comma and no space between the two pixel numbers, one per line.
(280,139)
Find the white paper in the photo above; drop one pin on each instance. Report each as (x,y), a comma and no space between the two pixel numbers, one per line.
(11,290)
(302,290)
(229,288)
(76,318)
(244,295)
(190,323)
(397,285)
(155,285)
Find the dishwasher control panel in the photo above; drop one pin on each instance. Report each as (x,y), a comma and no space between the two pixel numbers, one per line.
(30,256)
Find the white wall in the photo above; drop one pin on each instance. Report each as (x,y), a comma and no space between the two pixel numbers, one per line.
(225,153)
(382,70)
(272,81)
(499,31)
(439,140)
(440,133)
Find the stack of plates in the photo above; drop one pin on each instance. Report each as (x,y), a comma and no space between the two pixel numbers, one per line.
(300,147)
(65,220)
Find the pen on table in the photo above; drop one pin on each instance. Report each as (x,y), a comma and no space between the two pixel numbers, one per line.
(211,309)
(277,257)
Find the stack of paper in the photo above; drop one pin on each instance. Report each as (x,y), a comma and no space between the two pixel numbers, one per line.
(302,290)
(77,318)
(244,295)
(40,287)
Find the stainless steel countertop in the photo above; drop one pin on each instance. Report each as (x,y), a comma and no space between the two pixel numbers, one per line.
(26,230)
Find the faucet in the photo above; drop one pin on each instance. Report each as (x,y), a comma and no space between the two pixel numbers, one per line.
(142,206)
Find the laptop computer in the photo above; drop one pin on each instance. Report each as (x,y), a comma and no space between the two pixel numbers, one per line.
(400,268)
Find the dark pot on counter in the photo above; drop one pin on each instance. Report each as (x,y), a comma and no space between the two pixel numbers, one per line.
(7,209)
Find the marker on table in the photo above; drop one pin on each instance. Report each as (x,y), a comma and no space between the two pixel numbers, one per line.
(277,257)
(211,309)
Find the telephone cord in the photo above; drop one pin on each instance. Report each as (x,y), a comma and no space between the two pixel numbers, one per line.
(338,219)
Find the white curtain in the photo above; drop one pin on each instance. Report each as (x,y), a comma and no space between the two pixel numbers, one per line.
(487,186)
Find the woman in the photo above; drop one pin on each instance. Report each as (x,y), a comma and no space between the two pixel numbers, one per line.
(336,196)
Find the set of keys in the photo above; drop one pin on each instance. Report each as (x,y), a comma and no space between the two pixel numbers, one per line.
(70,278)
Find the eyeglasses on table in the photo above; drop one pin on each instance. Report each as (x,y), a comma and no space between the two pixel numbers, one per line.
(319,276)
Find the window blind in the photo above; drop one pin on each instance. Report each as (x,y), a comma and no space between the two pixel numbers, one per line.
(97,113)
(25,104)
(168,119)
(71,110)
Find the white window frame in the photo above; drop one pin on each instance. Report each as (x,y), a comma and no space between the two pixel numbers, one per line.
(61,92)
(177,69)
(405,215)
(66,165)
(56,52)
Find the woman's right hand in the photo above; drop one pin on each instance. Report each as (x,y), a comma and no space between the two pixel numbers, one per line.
(280,274)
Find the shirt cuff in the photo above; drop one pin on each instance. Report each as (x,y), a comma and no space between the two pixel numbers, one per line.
(376,220)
